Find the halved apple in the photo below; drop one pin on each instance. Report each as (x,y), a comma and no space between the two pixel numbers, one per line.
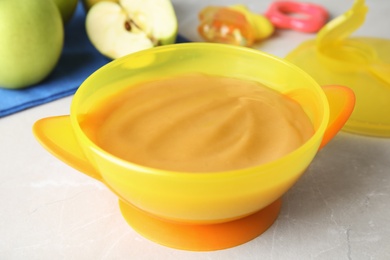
(118,29)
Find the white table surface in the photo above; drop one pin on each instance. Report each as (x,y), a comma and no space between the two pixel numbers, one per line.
(339,209)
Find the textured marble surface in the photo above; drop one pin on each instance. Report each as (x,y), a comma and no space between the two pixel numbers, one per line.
(339,209)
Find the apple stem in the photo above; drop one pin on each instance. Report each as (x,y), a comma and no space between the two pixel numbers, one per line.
(155,41)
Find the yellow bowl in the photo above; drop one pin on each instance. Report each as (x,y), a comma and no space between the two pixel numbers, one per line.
(168,206)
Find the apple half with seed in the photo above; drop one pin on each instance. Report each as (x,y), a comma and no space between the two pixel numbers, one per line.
(118,29)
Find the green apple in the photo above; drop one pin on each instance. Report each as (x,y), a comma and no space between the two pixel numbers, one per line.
(67,8)
(31,41)
(89,3)
(117,29)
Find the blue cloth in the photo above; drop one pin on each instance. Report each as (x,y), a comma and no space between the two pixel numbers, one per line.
(78,60)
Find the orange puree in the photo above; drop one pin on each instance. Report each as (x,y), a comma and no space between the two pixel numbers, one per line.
(199,123)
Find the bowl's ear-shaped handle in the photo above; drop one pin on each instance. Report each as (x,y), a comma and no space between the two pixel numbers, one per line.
(341,104)
(56,135)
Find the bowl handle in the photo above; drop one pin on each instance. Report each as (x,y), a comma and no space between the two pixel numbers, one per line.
(341,104)
(56,135)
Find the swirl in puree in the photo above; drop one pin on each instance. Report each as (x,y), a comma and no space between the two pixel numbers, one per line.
(199,123)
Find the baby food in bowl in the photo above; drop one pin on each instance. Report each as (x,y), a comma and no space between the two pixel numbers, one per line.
(199,141)
(198,123)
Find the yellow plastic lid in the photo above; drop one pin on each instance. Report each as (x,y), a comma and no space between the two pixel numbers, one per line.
(361,63)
